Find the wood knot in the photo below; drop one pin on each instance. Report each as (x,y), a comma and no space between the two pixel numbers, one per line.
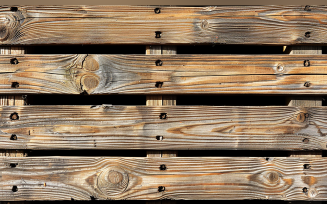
(112,181)
(272,177)
(89,83)
(90,64)
(204,24)
(301,117)
(115,177)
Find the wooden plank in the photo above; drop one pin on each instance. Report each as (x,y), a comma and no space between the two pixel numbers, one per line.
(145,127)
(140,178)
(179,74)
(108,24)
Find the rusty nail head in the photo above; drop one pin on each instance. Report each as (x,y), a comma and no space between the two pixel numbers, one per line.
(307,34)
(161,188)
(305,189)
(157,10)
(163,116)
(307,84)
(306,166)
(306,140)
(14,61)
(159,63)
(306,63)
(158,34)
(14,116)
(13,137)
(163,167)
(307,8)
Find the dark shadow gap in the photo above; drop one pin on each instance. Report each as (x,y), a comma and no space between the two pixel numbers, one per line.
(228,49)
(86,99)
(182,100)
(142,153)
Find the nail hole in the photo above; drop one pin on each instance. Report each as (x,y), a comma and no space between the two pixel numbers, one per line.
(14,9)
(305,189)
(157,10)
(14,189)
(161,188)
(159,63)
(92,197)
(13,137)
(14,116)
(14,61)
(267,158)
(307,34)
(307,8)
(307,84)
(72,199)
(162,167)
(158,34)
(14,85)
(306,166)
(306,63)
(13,165)
(163,116)
(305,140)
(159,84)
(159,137)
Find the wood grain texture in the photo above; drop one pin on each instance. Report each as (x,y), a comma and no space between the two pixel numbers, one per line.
(190,178)
(185,127)
(179,74)
(107,24)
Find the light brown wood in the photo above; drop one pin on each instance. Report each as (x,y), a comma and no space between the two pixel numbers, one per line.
(188,178)
(185,127)
(108,24)
(306,101)
(179,74)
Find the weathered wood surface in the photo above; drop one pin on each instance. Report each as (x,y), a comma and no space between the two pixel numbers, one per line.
(192,178)
(178,74)
(163,128)
(278,25)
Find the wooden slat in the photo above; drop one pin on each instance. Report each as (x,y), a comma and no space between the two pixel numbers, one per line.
(107,24)
(179,74)
(185,127)
(189,178)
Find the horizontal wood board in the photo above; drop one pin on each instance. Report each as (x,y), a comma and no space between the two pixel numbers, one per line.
(107,24)
(163,74)
(163,128)
(105,178)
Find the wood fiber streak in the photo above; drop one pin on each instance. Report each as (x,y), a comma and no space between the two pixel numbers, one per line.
(193,178)
(178,74)
(273,25)
(185,127)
